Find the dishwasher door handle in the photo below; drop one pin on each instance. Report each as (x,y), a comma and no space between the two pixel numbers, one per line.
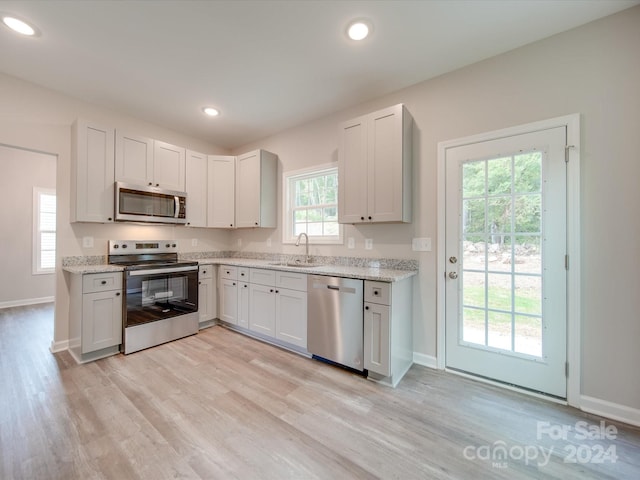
(333,287)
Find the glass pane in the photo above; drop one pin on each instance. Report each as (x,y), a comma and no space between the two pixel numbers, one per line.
(499,330)
(47,221)
(473,289)
(499,176)
(299,228)
(47,241)
(300,216)
(528,294)
(473,216)
(527,171)
(473,325)
(314,228)
(314,215)
(528,335)
(499,291)
(330,214)
(527,213)
(47,260)
(47,203)
(301,198)
(473,179)
(498,217)
(331,228)
(527,255)
(473,257)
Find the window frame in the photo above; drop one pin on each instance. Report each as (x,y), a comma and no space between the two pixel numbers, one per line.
(288,236)
(37,244)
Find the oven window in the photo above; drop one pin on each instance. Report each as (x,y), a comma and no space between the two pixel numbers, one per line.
(156,297)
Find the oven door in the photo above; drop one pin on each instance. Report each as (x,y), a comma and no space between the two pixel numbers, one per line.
(158,294)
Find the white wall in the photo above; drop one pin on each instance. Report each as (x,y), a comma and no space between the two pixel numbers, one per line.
(22,170)
(35,118)
(593,70)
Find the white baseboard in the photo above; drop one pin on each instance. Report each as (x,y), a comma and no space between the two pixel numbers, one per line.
(611,410)
(26,301)
(425,360)
(59,346)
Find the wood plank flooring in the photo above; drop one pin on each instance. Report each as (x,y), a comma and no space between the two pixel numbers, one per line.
(218,405)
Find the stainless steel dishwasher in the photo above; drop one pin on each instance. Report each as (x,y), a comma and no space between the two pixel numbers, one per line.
(335,319)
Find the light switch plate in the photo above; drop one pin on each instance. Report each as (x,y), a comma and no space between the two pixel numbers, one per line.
(351,242)
(368,243)
(87,242)
(194,242)
(421,244)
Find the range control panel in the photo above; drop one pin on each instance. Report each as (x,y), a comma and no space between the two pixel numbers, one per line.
(124,247)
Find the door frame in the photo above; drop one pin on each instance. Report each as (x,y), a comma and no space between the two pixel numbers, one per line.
(572,124)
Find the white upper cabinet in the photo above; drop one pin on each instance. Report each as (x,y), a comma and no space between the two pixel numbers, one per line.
(92,172)
(221,191)
(374,167)
(143,161)
(196,188)
(256,189)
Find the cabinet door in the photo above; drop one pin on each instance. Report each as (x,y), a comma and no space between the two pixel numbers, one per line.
(352,172)
(168,166)
(291,317)
(92,173)
(196,185)
(377,339)
(206,303)
(134,159)
(248,190)
(262,309)
(243,305)
(229,301)
(101,320)
(221,192)
(385,165)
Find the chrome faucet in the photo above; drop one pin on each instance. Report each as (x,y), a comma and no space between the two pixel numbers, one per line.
(306,245)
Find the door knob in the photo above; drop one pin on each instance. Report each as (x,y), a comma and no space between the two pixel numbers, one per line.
(453,275)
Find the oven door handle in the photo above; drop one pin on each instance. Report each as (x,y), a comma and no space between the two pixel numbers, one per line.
(157,271)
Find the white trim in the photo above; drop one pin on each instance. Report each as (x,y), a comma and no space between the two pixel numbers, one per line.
(59,346)
(26,301)
(572,123)
(425,360)
(610,410)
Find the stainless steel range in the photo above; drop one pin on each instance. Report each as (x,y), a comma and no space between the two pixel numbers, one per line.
(161,293)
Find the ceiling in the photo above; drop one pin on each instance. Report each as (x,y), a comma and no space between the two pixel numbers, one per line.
(267,65)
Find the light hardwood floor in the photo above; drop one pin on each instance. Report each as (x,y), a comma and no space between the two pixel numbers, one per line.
(218,405)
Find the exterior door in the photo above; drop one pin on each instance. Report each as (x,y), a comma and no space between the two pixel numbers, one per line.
(505,260)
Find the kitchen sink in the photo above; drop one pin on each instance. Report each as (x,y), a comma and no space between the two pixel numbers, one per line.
(295,264)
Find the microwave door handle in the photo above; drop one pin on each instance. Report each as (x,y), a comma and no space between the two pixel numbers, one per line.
(177,209)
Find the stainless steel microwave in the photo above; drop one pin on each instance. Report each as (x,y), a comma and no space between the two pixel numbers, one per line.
(136,203)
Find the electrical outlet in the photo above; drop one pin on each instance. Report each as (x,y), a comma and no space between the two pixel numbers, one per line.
(194,242)
(368,243)
(422,244)
(87,242)
(268,242)
(351,242)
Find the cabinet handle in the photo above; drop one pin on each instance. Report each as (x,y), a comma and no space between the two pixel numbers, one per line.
(369,217)
(234,284)
(366,308)
(103,282)
(110,219)
(256,224)
(245,285)
(361,218)
(242,274)
(117,294)
(157,184)
(277,291)
(204,272)
(271,291)
(150,184)
(199,283)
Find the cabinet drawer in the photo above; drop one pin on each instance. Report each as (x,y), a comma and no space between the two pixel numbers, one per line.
(377,292)
(101,282)
(262,277)
(205,271)
(243,274)
(292,281)
(228,272)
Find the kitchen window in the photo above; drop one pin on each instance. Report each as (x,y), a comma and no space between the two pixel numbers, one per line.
(311,205)
(44,230)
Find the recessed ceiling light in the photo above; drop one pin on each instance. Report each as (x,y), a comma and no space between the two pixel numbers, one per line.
(212,112)
(19,26)
(359,30)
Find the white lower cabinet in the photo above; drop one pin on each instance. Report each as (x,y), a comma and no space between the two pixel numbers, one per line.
(207,304)
(228,309)
(262,309)
(243,304)
(291,315)
(388,330)
(95,323)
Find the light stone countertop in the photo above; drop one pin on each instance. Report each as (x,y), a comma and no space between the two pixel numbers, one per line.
(83,269)
(363,273)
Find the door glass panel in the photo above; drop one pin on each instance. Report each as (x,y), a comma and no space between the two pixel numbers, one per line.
(501,263)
